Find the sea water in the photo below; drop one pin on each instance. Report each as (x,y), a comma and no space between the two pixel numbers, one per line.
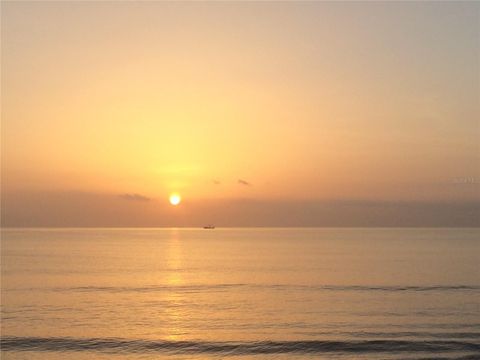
(263,293)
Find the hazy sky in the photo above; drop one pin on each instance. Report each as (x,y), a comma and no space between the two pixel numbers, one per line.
(269,112)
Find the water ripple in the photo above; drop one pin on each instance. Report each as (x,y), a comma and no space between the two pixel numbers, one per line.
(225,287)
(234,348)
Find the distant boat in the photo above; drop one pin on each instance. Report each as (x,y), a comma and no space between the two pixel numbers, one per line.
(209,226)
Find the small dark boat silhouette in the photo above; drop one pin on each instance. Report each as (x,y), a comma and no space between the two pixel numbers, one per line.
(209,227)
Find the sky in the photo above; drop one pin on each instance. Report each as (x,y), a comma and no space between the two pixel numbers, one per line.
(255,113)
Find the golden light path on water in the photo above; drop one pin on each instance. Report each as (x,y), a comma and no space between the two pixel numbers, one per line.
(174,314)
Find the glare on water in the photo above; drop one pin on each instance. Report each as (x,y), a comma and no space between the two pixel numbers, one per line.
(237,286)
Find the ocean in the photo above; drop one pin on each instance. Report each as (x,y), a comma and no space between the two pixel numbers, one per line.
(240,293)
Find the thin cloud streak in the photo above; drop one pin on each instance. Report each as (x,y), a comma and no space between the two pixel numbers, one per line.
(134,197)
(243,182)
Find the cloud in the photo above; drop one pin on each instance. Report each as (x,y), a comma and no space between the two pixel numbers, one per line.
(216,182)
(134,197)
(84,209)
(243,182)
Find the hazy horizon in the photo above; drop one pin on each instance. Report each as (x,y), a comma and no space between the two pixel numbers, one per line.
(99,210)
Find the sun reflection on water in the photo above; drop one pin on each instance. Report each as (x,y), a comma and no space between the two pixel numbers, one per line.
(175,316)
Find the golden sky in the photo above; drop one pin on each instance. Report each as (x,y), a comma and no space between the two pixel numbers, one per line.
(221,101)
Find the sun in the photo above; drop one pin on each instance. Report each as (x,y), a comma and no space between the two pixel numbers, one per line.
(175,199)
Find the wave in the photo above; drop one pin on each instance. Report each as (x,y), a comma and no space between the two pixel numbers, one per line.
(117,345)
(225,287)
(398,335)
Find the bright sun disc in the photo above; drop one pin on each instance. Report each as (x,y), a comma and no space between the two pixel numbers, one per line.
(175,199)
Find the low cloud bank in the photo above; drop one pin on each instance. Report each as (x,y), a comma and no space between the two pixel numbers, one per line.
(74,209)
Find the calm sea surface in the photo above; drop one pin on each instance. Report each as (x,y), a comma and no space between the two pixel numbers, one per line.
(240,293)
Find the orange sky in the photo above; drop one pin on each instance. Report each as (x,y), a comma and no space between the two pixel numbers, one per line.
(274,101)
